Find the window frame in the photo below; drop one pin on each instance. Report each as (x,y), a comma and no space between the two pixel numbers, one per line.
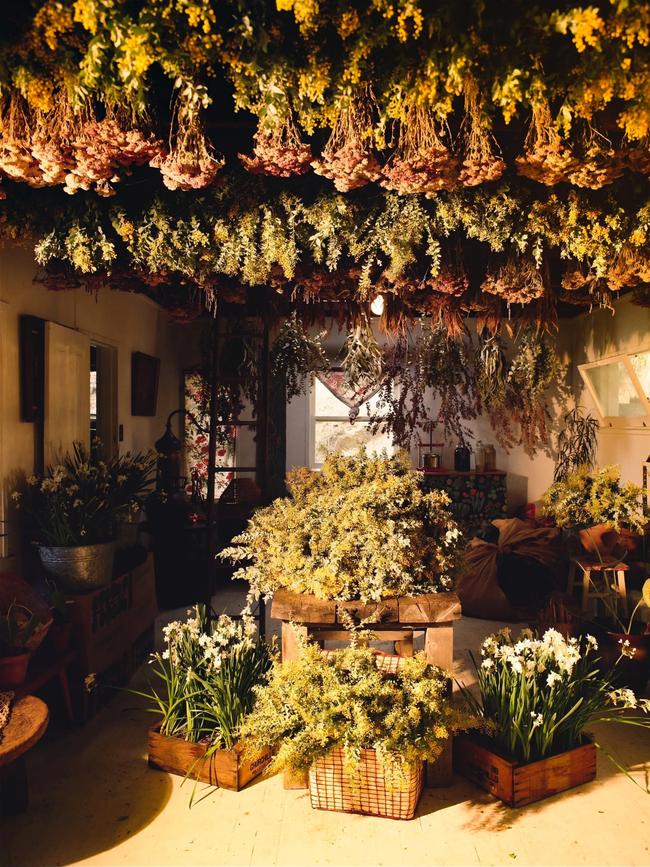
(313,419)
(627,422)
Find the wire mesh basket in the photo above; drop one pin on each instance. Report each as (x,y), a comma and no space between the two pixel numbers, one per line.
(369,794)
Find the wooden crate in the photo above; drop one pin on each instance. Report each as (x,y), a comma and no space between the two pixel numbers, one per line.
(370,794)
(227,769)
(517,784)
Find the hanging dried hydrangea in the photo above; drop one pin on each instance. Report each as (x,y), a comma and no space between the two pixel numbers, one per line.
(546,158)
(279,151)
(630,267)
(451,280)
(517,281)
(347,158)
(480,163)
(190,162)
(598,164)
(421,163)
(16,159)
(638,159)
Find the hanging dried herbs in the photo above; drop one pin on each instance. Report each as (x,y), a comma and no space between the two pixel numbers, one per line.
(362,357)
(517,281)
(279,151)
(297,356)
(576,443)
(347,158)
(480,163)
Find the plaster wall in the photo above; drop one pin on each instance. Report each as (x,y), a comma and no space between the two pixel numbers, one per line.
(124,321)
(585,338)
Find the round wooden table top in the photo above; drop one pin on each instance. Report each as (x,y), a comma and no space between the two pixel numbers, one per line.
(26,726)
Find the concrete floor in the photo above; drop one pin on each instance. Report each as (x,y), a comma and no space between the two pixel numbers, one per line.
(94,801)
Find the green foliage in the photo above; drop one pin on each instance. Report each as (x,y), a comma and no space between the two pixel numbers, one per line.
(361,528)
(587,498)
(208,673)
(76,502)
(538,695)
(318,702)
(297,356)
(576,443)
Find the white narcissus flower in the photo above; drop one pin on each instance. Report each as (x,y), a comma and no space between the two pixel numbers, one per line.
(553,678)
(487,664)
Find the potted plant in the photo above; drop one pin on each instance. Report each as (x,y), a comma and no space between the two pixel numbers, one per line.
(360,728)
(362,528)
(17,626)
(132,475)
(537,696)
(634,668)
(596,505)
(71,514)
(208,673)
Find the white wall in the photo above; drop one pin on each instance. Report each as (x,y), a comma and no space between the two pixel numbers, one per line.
(126,321)
(584,338)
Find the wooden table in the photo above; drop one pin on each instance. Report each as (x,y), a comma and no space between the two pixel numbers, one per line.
(306,617)
(27,724)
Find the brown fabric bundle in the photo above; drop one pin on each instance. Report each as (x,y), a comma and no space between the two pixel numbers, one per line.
(478,585)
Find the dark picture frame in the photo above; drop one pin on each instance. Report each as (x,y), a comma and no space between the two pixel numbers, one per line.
(145,372)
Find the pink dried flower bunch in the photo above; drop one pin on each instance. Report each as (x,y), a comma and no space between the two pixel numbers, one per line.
(480,163)
(517,281)
(546,158)
(598,163)
(452,280)
(347,158)
(421,162)
(279,151)
(190,162)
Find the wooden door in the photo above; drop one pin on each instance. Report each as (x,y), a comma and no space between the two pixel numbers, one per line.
(67,391)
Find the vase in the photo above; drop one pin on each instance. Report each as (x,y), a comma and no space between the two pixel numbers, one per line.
(13,670)
(80,568)
(516,783)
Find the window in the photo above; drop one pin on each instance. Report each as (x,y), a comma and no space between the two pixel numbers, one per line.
(620,387)
(330,425)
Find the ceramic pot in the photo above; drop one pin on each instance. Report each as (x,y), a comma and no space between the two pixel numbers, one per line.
(602,539)
(79,569)
(13,670)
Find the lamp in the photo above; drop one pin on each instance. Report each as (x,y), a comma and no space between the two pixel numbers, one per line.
(168,448)
(377,306)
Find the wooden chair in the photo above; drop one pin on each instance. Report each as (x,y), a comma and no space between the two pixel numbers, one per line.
(606,573)
(27,724)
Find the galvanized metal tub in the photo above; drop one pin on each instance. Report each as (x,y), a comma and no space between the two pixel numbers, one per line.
(81,568)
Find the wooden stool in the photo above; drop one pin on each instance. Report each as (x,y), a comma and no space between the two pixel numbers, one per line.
(305,617)
(613,571)
(26,726)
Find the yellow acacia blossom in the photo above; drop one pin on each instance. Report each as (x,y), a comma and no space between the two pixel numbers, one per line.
(348,24)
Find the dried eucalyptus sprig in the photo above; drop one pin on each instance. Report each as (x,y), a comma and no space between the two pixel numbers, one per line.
(297,356)
(363,359)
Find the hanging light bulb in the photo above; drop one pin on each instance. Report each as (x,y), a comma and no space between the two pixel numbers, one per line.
(377,306)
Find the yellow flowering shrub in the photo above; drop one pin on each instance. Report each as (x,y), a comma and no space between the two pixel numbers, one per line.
(361,528)
(318,702)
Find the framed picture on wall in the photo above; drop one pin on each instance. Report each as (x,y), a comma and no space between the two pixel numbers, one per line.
(145,370)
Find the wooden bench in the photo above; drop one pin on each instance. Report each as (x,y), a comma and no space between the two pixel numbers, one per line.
(27,724)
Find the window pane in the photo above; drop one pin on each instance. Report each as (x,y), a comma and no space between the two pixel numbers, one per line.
(641,366)
(326,403)
(347,438)
(615,390)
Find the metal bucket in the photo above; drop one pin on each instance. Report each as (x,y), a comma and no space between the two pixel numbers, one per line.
(79,569)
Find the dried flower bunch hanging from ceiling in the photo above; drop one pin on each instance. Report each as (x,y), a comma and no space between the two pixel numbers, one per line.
(597,162)
(348,157)
(297,356)
(517,281)
(480,163)
(546,157)
(190,162)
(421,162)
(279,151)
(70,147)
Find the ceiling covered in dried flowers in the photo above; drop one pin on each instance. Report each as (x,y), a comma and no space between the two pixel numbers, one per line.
(480,157)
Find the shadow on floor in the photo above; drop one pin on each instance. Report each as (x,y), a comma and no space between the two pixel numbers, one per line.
(90,789)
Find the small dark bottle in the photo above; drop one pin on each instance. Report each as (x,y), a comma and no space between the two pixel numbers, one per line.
(461,459)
